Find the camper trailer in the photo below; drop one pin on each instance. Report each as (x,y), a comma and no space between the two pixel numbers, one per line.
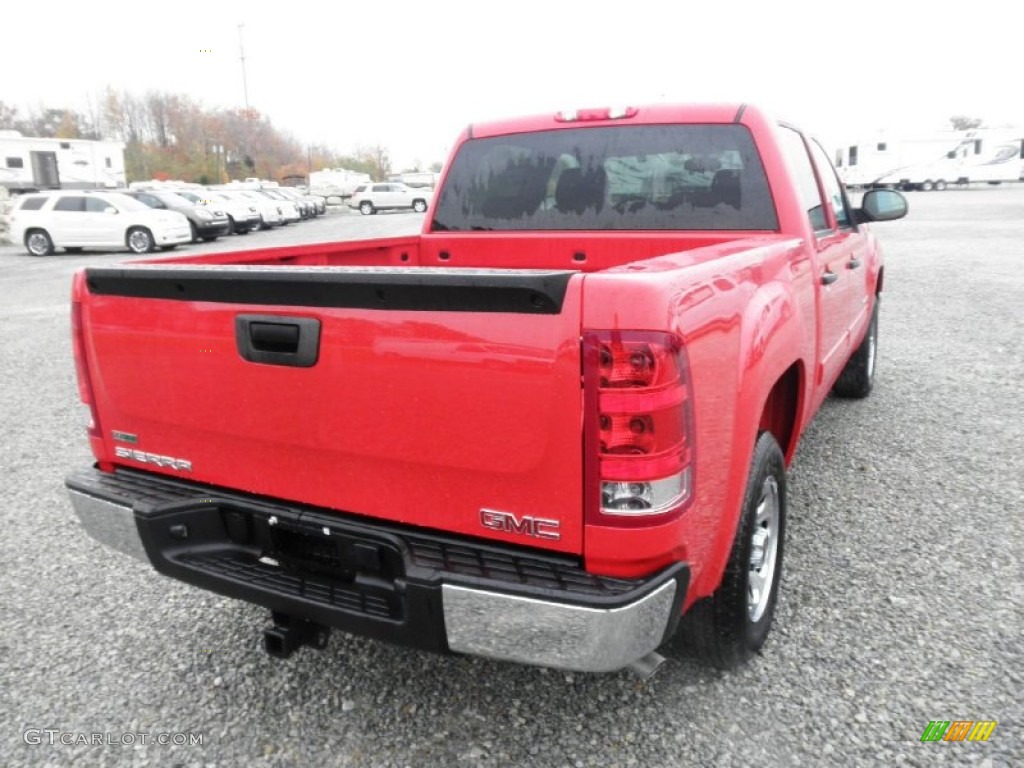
(933,161)
(336,182)
(30,164)
(416,179)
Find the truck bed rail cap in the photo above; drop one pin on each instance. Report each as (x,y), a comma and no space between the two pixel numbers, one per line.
(537,292)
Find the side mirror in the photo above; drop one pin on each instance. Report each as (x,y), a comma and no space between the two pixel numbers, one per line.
(110,209)
(882,205)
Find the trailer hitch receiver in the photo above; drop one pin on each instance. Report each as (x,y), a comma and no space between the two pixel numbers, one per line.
(288,634)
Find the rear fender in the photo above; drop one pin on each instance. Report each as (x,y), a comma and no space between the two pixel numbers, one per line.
(771,339)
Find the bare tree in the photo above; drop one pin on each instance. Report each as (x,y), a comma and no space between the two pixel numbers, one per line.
(377,159)
(8,117)
(157,106)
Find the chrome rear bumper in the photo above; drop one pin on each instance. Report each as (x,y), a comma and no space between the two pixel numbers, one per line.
(553,634)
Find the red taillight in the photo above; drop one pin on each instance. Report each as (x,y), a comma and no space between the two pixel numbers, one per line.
(82,368)
(638,430)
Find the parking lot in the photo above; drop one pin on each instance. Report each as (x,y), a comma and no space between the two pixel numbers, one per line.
(902,598)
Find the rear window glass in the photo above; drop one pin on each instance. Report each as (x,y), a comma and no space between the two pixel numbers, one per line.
(126,203)
(32,203)
(644,177)
(70,204)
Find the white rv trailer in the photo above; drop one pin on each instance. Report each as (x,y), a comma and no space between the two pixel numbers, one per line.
(934,161)
(30,164)
(416,178)
(336,182)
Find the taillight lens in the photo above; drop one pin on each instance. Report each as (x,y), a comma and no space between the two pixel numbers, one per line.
(82,368)
(639,427)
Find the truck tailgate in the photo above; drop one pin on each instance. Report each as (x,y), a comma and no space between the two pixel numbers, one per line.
(443,398)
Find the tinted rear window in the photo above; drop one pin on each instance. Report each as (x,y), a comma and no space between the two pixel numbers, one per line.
(70,204)
(643,177)
(32,203)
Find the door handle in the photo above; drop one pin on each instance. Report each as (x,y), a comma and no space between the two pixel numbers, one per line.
(853,263)
(829,277)
(278,340)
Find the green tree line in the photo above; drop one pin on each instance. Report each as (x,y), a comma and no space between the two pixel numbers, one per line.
(172,136)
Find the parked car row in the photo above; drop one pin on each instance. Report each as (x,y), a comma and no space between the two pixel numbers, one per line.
(146,218)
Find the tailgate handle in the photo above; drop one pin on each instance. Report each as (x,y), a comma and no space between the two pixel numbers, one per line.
(278,340)
(274,337)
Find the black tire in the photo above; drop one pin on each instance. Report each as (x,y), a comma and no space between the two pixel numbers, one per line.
(419,206)
(858,376)
(195,232)
(366,208)
(139,240)
(940,185)
(38,242)
(731,626)
(927,186)
(73,249)
(233,228)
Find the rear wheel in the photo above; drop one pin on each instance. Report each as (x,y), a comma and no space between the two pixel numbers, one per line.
(419,205)
(38,242)
(195,232)
(940,185)
(366,208)
(139,240)
(927,186)
(858,375)
(729,627)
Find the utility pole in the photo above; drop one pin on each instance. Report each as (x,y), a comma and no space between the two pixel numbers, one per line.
(241,56)
(247,115)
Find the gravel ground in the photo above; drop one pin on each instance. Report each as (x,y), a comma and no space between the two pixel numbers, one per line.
(902,594)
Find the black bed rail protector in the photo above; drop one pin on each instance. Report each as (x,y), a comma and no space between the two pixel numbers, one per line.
(536,292)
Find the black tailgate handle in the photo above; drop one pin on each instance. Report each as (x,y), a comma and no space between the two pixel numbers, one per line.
(278,340)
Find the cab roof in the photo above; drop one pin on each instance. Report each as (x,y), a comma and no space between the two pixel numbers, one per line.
(651,114)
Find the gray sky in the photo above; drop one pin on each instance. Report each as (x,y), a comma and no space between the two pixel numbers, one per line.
(411,75)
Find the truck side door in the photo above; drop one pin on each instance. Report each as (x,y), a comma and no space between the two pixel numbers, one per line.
(851,243)
(834,251)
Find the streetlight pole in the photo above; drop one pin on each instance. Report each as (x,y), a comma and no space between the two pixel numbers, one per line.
(247,115)
(241,56)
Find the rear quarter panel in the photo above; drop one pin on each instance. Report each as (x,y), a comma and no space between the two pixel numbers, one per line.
(745,313)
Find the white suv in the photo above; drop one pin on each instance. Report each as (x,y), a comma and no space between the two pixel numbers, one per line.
(370,198)
(75,219)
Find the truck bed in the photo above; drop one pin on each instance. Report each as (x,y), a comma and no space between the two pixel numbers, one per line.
(578,251)
(361,377)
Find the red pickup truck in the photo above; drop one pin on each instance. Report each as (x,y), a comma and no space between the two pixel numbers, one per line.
(550,429)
